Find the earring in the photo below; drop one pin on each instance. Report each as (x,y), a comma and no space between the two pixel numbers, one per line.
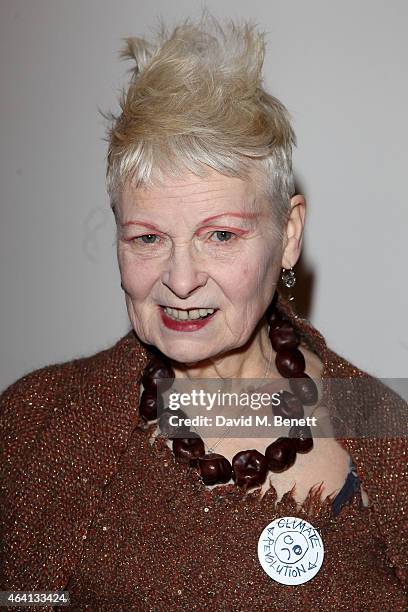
(288,277)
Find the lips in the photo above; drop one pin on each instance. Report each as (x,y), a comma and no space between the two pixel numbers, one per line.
(186,325)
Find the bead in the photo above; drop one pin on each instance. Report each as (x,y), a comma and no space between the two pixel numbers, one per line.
(275,321)
(303,437)
(290,362)
(284,336)
(304,388)
(290,406)
(187,450)
(214,469)
(281,454)
(155,371)
(172,430)
(149,404)
(249,468)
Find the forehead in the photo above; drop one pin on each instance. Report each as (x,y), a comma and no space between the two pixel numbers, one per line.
(213,191)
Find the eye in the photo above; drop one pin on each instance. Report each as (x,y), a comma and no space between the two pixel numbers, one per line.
(147,238)
(224,235)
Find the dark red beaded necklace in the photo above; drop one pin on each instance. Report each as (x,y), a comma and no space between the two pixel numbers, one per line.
(248,468)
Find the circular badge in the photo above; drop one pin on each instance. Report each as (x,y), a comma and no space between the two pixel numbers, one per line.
(290,550)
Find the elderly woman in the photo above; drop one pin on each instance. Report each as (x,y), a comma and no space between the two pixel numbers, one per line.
(106,497)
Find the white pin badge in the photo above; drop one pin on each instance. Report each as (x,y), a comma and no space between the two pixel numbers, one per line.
(290,550)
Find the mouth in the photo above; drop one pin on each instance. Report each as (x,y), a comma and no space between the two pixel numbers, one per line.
(188,314)
(186,320)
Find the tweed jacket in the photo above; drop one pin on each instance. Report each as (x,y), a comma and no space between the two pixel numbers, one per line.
(89,505)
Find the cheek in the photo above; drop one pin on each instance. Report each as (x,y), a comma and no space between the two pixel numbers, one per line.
(243,280)
(249,287)
(137,281)
(252,278)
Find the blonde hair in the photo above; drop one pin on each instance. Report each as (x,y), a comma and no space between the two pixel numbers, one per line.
(195,100)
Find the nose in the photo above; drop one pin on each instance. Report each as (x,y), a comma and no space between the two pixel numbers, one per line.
(182,274)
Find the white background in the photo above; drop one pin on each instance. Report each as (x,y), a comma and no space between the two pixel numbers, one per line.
(340,67)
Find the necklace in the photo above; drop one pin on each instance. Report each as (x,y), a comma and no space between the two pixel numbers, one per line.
(248,468)
(227,429)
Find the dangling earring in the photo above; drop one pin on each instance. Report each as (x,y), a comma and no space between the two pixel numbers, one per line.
(289,280)
(288,277)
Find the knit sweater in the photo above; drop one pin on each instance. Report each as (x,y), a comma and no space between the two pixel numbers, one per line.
(90,505)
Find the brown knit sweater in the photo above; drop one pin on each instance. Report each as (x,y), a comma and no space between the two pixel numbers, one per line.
(90,506)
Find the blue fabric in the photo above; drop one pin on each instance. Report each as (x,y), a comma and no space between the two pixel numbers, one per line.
(348,490)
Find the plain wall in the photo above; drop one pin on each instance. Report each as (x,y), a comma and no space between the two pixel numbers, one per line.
(339,67)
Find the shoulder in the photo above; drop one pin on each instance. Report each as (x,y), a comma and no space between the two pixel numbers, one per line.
(27,404)
(48,379)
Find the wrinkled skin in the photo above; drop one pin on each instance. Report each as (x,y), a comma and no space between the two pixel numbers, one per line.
(190,263)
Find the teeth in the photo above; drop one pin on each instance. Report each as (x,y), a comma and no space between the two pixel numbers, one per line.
(193,314)
(184,315)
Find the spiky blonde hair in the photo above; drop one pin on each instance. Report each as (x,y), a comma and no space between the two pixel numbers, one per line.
(195,101)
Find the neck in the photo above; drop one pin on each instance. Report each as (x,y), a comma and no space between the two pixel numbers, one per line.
(249,361)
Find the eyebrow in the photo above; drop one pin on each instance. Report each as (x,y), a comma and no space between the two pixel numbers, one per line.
(253,215)
(136,222)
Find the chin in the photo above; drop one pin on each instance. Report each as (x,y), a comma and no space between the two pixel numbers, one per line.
(184,354)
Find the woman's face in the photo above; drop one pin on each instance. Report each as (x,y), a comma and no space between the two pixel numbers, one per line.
(197,243)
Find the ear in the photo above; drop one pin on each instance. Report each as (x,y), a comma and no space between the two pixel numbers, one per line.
(293,233)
